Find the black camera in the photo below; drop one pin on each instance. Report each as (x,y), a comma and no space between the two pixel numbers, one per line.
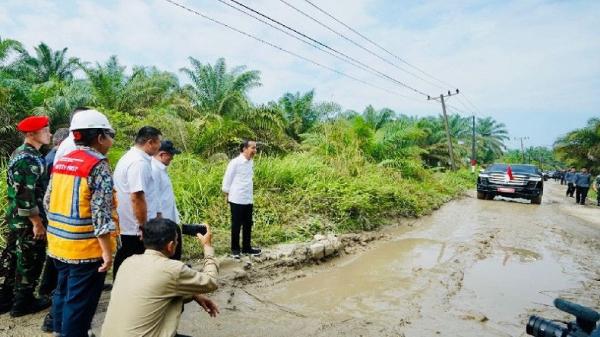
(584,325)
(193,229)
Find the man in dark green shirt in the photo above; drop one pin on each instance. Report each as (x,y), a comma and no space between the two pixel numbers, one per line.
(24,255)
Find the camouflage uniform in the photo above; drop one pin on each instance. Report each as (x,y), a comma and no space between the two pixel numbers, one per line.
(22,259)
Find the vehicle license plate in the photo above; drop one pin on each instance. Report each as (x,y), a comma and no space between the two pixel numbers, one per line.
(506,190)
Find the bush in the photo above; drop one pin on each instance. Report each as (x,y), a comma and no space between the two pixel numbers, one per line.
(301,194)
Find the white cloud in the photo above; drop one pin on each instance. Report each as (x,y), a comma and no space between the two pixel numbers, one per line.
(523,63)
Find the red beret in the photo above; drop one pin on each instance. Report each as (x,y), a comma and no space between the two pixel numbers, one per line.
(33,123)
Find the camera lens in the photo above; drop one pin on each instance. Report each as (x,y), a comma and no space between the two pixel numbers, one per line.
(540,327)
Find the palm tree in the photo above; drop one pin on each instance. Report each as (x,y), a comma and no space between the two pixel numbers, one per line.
(491,136)
(581,147)
(146,89)
(7,46)
(378,118)
(300,112)
(215,90)
(48,64)
(107,82)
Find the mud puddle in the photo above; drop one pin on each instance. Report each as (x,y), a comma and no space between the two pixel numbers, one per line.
(369,285)
(501,286)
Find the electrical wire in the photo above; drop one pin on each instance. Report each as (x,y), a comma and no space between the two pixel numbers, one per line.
(285,50)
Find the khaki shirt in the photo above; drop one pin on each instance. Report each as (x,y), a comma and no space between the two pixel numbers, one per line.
(149,292)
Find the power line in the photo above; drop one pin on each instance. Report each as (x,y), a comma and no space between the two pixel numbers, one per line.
(283,49)
(359,45)
(389,52)
(306,42)
(329,48)
(376,44)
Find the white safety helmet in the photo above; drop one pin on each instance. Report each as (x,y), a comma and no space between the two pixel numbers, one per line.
(89,119)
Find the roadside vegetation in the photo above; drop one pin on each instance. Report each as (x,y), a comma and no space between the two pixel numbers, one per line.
(320,168)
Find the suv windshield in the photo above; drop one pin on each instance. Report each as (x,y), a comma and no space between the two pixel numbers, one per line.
(520,168)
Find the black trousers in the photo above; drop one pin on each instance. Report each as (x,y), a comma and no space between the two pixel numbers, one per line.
(49,278)
(570,189)
(130,245)
(581,194)
(241,218)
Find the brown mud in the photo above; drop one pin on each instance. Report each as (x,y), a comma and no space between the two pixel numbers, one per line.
(472,268)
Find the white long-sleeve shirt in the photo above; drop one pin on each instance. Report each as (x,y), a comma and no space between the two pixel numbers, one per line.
(237,181)
(66,146)
(165,204)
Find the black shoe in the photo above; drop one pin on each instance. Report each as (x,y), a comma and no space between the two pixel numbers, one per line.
(180,335)
(235,254)
(107,287)
(29,306)
(48,324)
(252,251)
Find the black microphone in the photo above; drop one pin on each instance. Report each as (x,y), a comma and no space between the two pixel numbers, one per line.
(586,317)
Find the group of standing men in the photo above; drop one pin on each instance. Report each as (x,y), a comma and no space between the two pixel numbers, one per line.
(77,218)
(579,183)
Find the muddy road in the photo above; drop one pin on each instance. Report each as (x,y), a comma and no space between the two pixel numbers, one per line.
(473,268)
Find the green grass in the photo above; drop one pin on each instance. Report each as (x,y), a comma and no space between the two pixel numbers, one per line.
(301,194)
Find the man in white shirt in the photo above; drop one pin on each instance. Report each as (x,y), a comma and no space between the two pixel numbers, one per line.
(136,193)
(68,144)
(238,187)
(166,205)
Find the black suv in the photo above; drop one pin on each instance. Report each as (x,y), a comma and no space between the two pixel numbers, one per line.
(513,181)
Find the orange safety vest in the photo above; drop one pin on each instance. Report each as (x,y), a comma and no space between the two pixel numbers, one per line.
(70,229)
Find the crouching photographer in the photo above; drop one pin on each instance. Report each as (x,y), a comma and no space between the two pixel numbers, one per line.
(583,326)
(150,290)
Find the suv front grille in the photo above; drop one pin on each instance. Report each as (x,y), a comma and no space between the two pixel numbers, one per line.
(518,179)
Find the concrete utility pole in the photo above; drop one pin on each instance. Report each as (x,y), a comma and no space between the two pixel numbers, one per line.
(522,148)
(450,150)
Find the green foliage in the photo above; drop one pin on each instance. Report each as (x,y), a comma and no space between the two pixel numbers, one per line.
(581,147)
(215,90)
(540,156)
(301,194)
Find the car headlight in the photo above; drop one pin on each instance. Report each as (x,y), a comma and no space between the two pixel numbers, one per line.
(535,179)
(483,175)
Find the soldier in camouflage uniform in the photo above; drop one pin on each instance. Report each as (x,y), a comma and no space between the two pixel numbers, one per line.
(24,255)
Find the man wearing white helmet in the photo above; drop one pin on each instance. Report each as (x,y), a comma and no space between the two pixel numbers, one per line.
(81,228)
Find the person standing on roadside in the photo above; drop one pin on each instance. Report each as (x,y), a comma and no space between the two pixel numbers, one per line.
(82,231)
(49,273)
(597,189)
(166,205)
(136,192)
(238,188)
(582,183)
(24,254)
(570,179)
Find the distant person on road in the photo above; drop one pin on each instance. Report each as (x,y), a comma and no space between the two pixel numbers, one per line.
(562,177)
(149,292)
(570,179)
(597,189)
(583,180)
(238,188)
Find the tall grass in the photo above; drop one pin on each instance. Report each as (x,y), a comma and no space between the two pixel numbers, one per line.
(301,194)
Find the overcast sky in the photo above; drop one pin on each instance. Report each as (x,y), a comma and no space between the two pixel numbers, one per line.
(533,65)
